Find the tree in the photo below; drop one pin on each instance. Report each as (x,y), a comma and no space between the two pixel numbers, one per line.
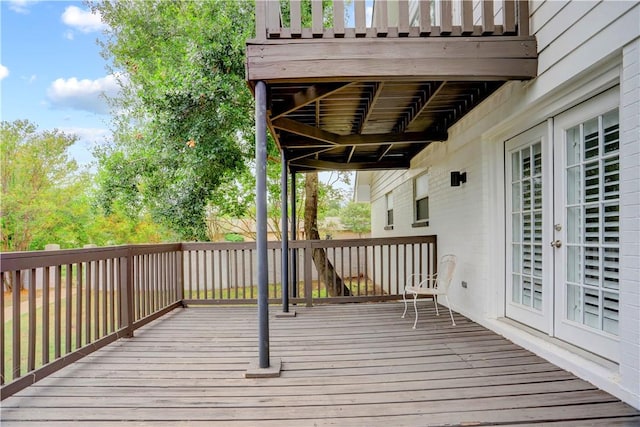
(188,131)
(188,127)
(43,190)
(356,216)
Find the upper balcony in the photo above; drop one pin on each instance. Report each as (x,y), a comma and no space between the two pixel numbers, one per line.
(347,92)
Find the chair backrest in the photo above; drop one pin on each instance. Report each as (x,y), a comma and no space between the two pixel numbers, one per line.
(446,268)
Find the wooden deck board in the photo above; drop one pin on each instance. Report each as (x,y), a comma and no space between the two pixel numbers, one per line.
(343,365)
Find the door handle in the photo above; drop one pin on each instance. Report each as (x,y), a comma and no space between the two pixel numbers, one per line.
(556,244)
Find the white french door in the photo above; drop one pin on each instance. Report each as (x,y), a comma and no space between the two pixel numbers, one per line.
(587,205)
(529,276)
(562,226)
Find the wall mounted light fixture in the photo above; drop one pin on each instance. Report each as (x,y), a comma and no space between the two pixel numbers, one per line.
(458,178)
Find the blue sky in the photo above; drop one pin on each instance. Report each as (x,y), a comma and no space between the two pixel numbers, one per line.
(51,70)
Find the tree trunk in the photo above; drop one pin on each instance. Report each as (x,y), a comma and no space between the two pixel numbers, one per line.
(326,272)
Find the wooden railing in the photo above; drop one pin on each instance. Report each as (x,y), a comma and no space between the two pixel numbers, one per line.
(372,269)
(391,18)
(58,306)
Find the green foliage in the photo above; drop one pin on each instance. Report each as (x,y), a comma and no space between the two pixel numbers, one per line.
(46,198)
(232,237)
(189,123)
(42,188)
(356,217)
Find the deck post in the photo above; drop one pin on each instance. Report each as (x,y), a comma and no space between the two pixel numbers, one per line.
(284,274)
(261,223)
(262,368)
(294,236)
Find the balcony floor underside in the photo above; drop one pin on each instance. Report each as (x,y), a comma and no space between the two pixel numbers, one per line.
(345,365)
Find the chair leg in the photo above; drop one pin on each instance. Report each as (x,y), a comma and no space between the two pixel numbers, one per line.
(453,322)
(404,299)
(415,308)
(435,302)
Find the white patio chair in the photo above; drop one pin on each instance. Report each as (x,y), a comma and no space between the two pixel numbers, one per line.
(431,285)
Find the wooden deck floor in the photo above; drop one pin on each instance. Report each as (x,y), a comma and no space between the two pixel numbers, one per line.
(343,365)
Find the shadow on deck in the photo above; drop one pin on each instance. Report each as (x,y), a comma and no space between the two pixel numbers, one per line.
(343,365)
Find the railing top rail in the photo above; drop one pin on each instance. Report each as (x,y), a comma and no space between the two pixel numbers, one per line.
(12,261)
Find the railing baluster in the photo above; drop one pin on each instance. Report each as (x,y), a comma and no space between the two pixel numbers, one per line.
(105,297)
(425,17)
(31,355)
(403,18)
(509,16)
(317,18)
(488,24)
(295,18)
(382,23)
(96,301)
(467,16)
(3,375)
(338,18)
(15,321)
(272,17)
(523,18)
(46,274)
(446,18)
(360,18)
(68,307)
(78,305)
(87,303)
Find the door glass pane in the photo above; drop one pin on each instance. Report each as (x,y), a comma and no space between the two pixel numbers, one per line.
(611,137)
(610,313)
(591,139)
(611,179)
(591,182)
(574,303)
(515,197)
(574,222)
(537,293)
(593,222)
(592,308)
(516,295)
(526,162)
(516,228)
(611,261)
(515,166)
(574,184)
(574,147)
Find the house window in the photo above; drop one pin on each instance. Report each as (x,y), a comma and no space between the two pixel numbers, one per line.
(389,201)
(421,197)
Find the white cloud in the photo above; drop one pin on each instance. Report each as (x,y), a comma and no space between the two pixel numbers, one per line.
(21,6)
(69,35)
(88,95)
(90,135)
(88,139)
(82,20)
(4,72)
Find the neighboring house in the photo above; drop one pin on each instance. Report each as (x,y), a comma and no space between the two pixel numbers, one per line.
(547,225)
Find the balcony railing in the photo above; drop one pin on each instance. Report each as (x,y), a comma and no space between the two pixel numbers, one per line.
(392,18)
(58,306)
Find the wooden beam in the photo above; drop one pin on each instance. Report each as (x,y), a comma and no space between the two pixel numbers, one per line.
(486,58)
(306,97)
(318,134)
(392,138)
(309,164)
(369,107)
